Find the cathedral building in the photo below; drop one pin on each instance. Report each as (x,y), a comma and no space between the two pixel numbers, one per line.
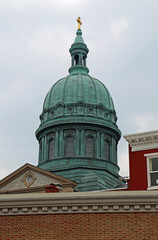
(78,135)
(76,192)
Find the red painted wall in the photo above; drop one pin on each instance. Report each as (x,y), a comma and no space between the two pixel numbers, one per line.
(138,169)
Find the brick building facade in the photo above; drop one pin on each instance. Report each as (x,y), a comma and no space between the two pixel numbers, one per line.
(81,227)
(143,161)
(88,216)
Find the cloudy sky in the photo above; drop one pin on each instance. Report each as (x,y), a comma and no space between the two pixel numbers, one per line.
(35,36)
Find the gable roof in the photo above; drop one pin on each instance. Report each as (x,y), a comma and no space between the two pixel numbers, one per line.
(28,167)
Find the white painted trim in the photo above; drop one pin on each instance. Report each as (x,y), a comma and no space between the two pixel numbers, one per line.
(148,175)
(143,141)
(153,188)
(138,147)
(148,157)
(151,154)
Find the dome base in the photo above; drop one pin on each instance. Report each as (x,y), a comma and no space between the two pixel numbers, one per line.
(78,70)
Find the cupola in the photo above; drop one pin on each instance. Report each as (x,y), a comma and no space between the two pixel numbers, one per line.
(78,134)
(78,53)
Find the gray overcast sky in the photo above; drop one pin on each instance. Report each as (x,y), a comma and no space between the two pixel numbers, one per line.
(35,36)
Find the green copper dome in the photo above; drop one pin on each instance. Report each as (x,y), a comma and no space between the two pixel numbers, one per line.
(74,91)
(79,98)
(78,88)
(78,134)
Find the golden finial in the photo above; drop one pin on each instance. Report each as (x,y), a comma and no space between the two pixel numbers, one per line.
(79,22)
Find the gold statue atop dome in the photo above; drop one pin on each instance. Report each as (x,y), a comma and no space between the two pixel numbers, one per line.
(79,23)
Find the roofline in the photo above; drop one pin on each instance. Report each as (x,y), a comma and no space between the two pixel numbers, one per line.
(79,202)
(143,141)
(18,171)
(142,134)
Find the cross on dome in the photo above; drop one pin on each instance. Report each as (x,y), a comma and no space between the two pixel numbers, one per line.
(79,22)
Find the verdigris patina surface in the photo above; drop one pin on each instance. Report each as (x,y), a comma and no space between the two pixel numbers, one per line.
(78,134)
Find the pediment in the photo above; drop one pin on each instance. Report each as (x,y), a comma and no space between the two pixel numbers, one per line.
(28,178)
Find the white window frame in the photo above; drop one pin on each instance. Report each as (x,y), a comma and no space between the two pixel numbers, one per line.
(148,157)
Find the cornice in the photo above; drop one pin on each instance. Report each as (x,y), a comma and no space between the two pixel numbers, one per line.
(89,202)
(78,126)
(112,127)
(143,141)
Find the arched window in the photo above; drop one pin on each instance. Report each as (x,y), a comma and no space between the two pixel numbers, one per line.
(51,149)
(76,58)
(69,147)
(90,147)
(106,151)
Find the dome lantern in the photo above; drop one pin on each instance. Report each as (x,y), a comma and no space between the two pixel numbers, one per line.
(78,53)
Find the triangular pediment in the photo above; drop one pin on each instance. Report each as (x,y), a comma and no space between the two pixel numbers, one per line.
(29,178)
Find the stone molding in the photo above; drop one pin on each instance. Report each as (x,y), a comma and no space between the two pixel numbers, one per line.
(26,182)
(28,169)
(142,141)
(89,202)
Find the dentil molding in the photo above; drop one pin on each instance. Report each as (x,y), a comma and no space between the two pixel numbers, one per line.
(142,141)
(89,202)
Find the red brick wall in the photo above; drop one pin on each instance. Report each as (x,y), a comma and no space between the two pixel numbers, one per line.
(99,226)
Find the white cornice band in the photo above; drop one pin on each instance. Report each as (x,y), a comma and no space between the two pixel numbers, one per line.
(91,202)
(142,141)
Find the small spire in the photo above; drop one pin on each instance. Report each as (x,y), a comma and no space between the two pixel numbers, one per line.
(79,23)
(78,53)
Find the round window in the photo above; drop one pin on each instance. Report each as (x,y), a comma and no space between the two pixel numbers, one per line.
(90,110)
(70,109)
